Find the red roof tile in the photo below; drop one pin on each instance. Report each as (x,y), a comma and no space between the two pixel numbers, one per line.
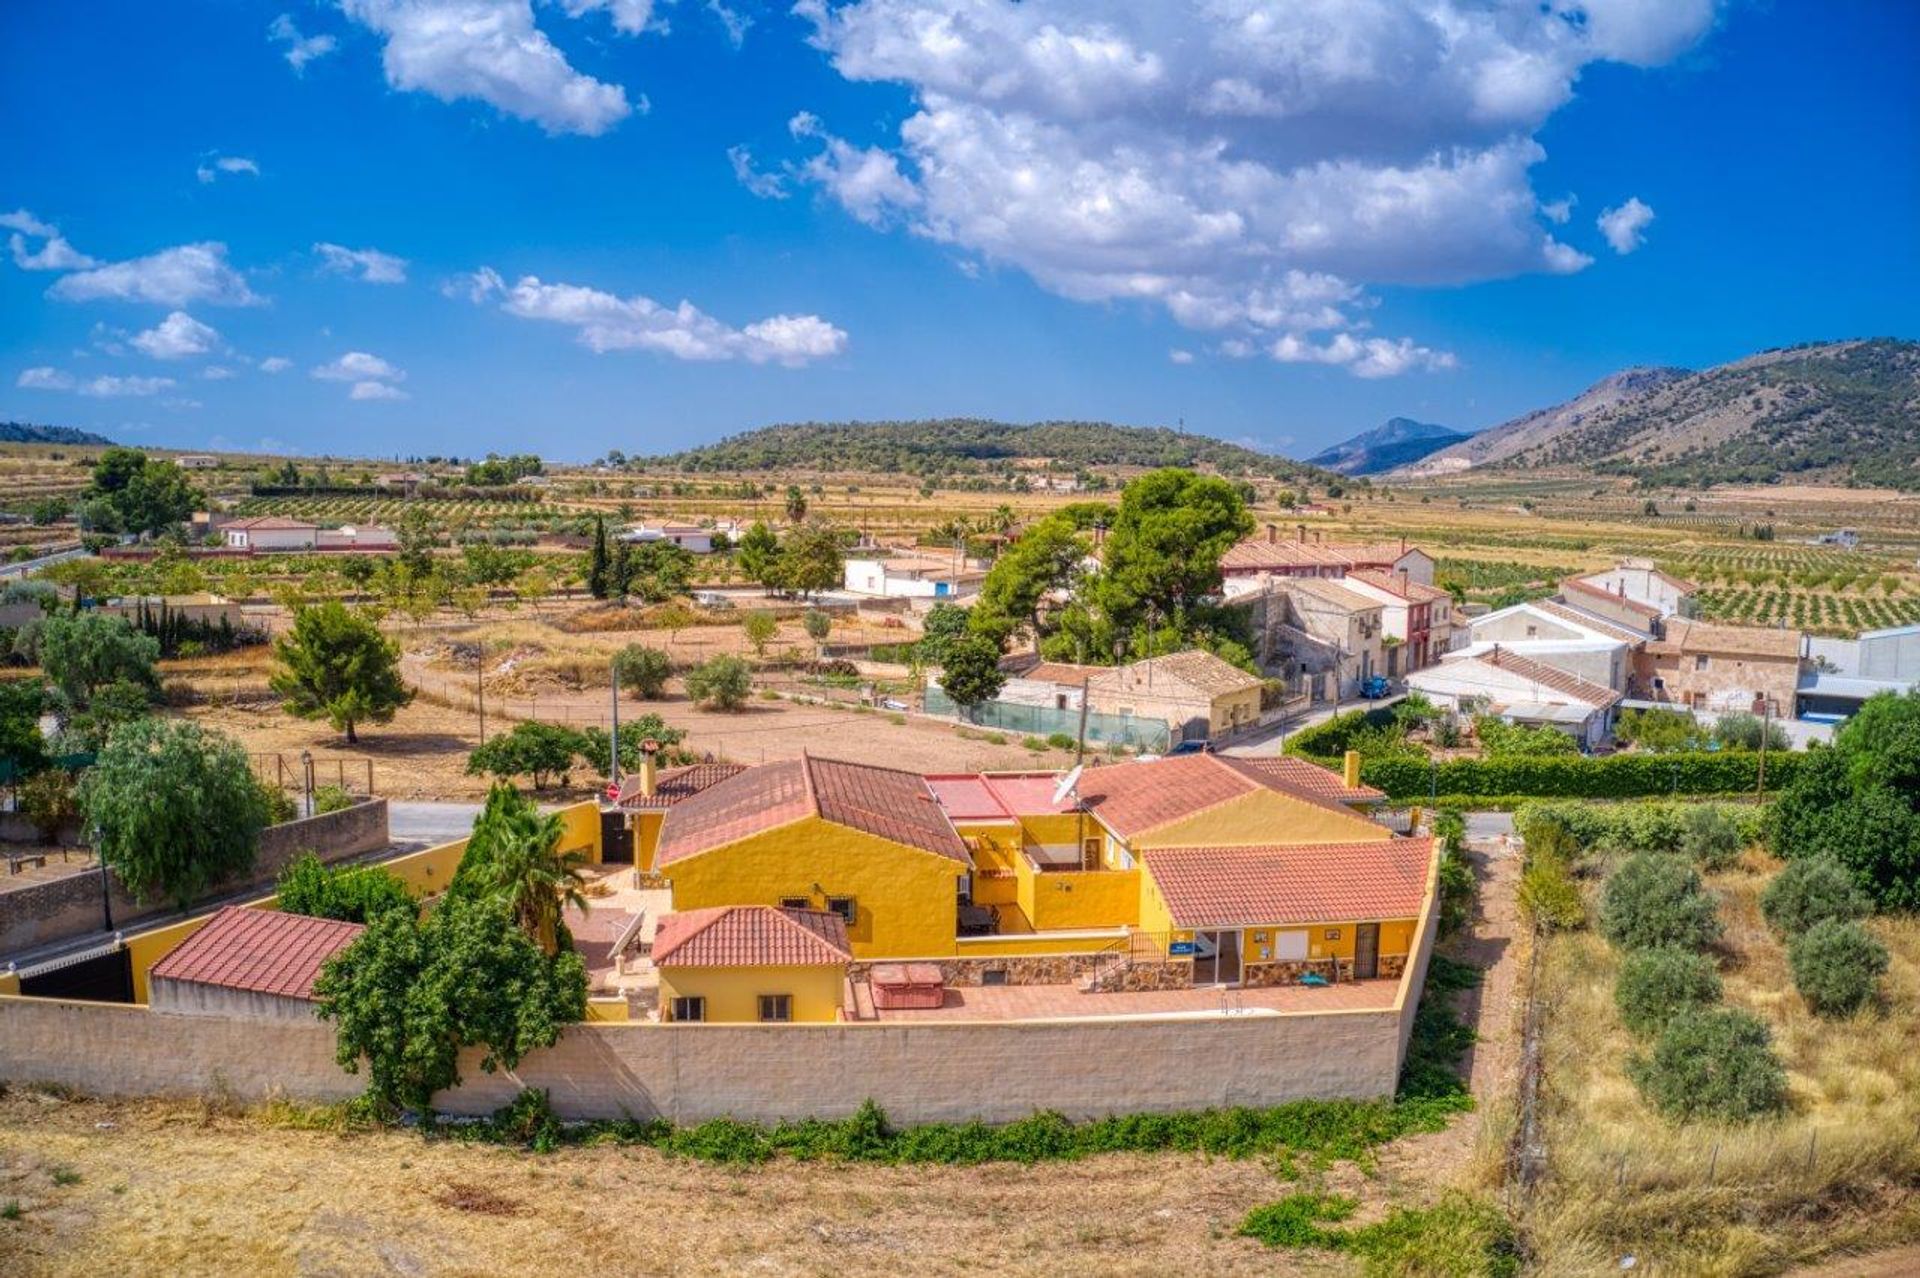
(1414,591)
(1311,779)
(750,936)
(967,797)
(266,951)
(676,785)
(1133,798)
(1302,883)
(1572,685)
(883,802)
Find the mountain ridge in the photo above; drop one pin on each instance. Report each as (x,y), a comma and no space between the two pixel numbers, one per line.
(29,433)
(1396,442)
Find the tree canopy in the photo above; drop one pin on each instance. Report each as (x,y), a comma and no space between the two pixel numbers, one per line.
(513,857)
(175,809)
(137,493)
(336,665)
(1858,802)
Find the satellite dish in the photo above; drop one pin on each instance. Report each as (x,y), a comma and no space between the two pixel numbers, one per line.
(1066,785)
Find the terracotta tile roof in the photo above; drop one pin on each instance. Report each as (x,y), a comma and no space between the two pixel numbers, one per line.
(1301,883)
(1200,672)
(1257,553)
(884,802)
(1031,667)
(1328,590)
(1547,676)
(1415,591)
(1582,586)
(968,797)
(1687,636)
(750,936)
(266,951)
(1581,617)
(1299,776)
(675,785)
(1133,798)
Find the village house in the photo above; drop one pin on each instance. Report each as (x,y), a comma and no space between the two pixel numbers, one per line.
(1249,564)
(1198,696)
(689,537)
(751,963)
(1419,616)
(1715,669)
(911,575)
(1840,674)
(1560,635)
(402,481)
(646,795)
(196,461)
(266,534)
(1637,582)
(1520,690)
(1319,629)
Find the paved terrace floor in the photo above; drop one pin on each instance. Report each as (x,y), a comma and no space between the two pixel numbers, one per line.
(1049,1002)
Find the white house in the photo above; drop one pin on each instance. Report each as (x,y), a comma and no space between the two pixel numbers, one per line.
(1633,592)
(196,461)
(270,532)
(1567,638)
(1520,690)
(688,537)
(911,576)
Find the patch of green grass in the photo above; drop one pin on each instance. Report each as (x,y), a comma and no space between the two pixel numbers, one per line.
(1457,1237)
(12,1210)
(1036,744)
(64,1176)
(994,738)
(897,720)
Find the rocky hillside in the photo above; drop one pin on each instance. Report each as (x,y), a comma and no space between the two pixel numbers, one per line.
(1836,412)
(28,433)
(1543,426)
(1397,443)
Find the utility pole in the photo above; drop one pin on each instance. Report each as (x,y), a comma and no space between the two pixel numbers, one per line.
(1080,753)
(613,750)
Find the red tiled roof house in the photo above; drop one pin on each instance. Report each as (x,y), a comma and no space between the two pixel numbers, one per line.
(248,963)
(751,963)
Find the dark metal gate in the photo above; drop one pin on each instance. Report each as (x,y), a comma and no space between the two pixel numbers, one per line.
(101,976)
(616,840)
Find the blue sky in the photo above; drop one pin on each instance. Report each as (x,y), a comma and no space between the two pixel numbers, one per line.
(447,226)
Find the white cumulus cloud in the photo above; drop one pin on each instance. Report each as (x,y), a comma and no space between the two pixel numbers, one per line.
(1625,228)
(605,322)
(213,166)
(1208,156)
(178,336)
(176,276)
(118,387)
(493,51)
(44,378)
(356,366)
(54,253)
(299,49)
(368,265)
(629,17)
(765,185)
(1179,356)
(275,364)
(376,390)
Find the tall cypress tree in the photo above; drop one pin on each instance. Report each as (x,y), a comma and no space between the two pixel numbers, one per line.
(597,561)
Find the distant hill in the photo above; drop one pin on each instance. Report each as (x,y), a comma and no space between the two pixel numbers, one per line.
(971,446)
(1543,425)
(1397,443)
(1837,412)
(28,433)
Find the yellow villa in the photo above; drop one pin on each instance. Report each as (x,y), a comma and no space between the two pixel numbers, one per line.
(751,963)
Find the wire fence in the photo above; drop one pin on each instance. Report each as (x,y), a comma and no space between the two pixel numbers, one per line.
(1045,721)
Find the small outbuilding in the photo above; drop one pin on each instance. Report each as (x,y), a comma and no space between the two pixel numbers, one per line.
(248,963)
(751,963)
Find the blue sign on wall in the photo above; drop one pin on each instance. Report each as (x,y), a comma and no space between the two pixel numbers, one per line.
(1180,947)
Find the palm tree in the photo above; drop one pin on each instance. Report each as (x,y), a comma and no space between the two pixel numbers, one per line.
(514,856)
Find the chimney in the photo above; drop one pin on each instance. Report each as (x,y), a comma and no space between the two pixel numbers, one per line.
(649,769)
(1405,579)
(1352,772)
(1273,533)
(1403,543)
(1300,531)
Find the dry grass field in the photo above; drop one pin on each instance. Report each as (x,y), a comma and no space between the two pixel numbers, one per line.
(1837,1173)
(98,1189)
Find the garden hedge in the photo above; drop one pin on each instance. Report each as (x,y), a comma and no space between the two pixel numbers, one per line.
(1619,776)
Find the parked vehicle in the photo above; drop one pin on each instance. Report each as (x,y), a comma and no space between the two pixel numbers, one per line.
(1375,687)
(1198,745)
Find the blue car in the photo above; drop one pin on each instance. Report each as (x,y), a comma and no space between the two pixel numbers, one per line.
(1197,746)
(1375,687)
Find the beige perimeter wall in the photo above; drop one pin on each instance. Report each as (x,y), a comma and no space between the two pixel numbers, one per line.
(918,1073)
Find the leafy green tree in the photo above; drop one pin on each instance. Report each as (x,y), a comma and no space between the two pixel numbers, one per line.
(49,799)
(418,535)
(1811,890)
(1713,1063)
(175,809)
(82,653)
(120,702)
(514,857)
(1711,839)
(819,625)
(971,675)
(634,733)
(643,671)
(143,494)
(535,750)
(723,682)
(1859,802)
(23,750)
(944,623)
(758,554)
(599,566)
(796,504)
(1163,554)
(1656,985)
(657,571)
(336,665)
(620,571)
(350,893)
(810,560)
(760,627)
(408,995)
(1044,563)
(1656,899)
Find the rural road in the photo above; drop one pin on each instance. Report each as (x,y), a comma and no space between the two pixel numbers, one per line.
(417,822)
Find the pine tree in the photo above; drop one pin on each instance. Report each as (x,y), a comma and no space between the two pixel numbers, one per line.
(620,575)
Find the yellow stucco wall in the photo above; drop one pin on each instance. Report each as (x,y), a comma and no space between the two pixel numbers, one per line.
(1262,816)
(582,830)
(646,837)
(733,993)
(1082,941)
(1396,935)
(1235,708)
(905,897)
(1078,899)
(607,1009)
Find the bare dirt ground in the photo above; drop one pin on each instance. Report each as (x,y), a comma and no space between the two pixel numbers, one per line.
(153,1188)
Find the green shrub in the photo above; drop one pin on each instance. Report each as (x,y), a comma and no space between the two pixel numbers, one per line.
(1618,776)
(723,682)
(1548,895)
(1837,966)
(994,738)
(1711,840)
(353,893)
(1063,741)
(1712,1063)
(1458,1237)
(1653,825)
(1035,744)
(1812,890)
(331,798)
(279,804)
(1299,1220)
(642,671)
(1656,899)
(1658,984)
(1505,740)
